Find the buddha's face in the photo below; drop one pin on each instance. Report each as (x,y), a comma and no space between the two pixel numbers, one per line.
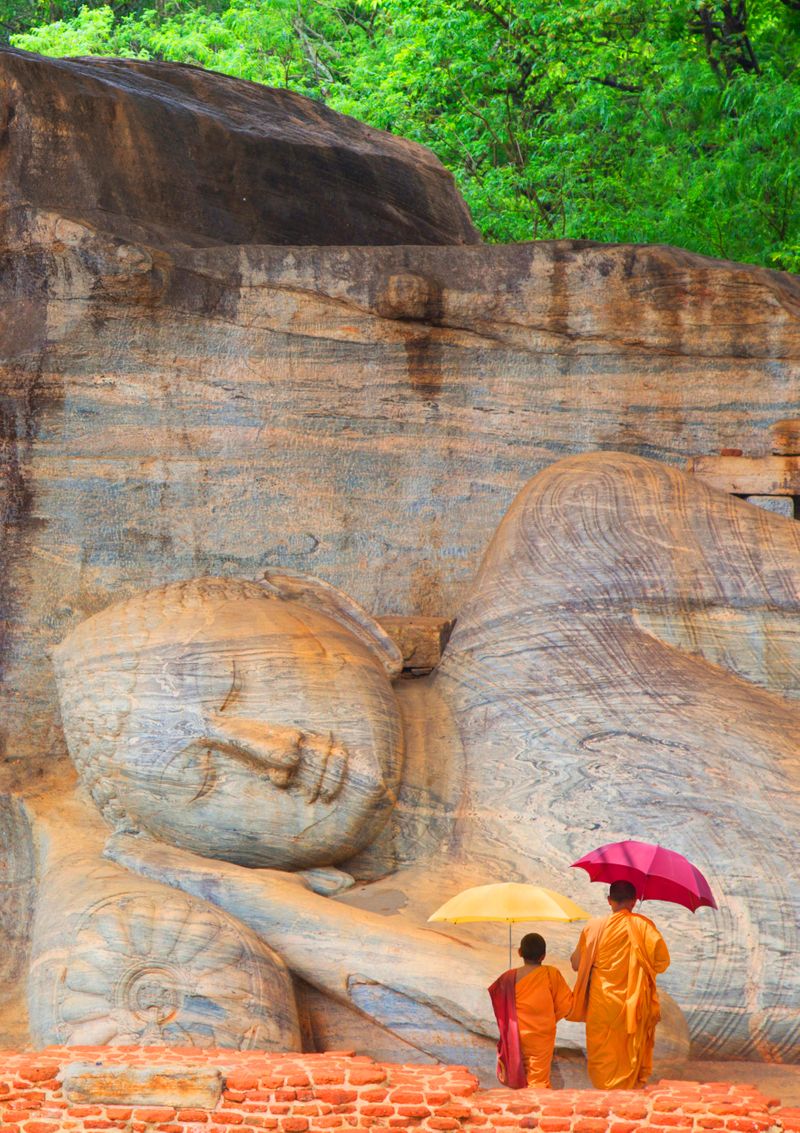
(248,728)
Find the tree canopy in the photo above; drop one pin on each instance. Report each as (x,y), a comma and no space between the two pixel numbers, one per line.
(660,121)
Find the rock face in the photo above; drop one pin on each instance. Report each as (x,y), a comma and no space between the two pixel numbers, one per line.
(194,157)
(617,619)
(365,415)
(177,405)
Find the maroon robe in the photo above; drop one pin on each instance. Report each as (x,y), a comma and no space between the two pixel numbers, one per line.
(510,1063)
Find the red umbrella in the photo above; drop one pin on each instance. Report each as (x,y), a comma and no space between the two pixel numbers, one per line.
(657,873)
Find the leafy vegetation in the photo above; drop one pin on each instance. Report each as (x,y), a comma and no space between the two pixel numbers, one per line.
(674,121)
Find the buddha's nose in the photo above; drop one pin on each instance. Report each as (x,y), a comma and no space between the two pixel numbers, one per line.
(290,756)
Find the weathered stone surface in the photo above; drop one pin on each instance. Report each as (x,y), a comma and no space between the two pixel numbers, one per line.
(627,665)
(17,900)
(119,961)
(749,475)
(236,721)
(781,505)
(786,437)
(628,652)
(420,639)
(604,698)
(189,156)
(181,1087)
(169,414)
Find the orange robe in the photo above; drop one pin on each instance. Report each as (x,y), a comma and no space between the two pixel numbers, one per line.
(615,993)
(542,997)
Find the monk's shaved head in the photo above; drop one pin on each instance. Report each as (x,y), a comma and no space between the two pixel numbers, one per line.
(621,892)
(532,948)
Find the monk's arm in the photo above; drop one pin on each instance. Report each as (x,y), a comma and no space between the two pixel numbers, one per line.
(661,956)
(575,958)
(562,997)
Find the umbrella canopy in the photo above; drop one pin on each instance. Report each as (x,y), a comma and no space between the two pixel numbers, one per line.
(509,902)
(657,873)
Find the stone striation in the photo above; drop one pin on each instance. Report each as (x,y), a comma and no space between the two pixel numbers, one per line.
(195,157)
(639,635)
(294,1093)
(170,413)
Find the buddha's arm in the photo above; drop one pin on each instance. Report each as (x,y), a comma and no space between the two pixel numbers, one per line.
(335,947)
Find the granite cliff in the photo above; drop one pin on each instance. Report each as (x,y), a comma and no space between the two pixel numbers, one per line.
(238,331)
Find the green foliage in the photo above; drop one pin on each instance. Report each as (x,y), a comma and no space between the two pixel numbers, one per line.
(618,120)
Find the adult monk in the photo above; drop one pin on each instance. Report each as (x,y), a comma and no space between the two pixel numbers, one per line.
(527,1002)
(617,960)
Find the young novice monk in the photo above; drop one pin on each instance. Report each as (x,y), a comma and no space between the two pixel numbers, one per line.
(527,1001)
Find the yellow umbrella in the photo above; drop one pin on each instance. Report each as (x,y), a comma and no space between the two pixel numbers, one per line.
(509,902)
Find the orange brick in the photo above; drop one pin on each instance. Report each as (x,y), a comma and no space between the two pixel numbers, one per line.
(624,1127)
(443,1123)
(331,1122)
(294,1125)
(590,1125)
(676,1120)
(170,1127)
(230,1116)
(329,1077)
(665,1105)
(709,1123)
(153,1114)
(285,1095)
(591,1106)
(404,1096)
(376,1094)
(636,1111)
(241,1080)
(196,1115)
(743,1124)
(454,1110)
(336,1097)
(40,1127)
(38,1072)
(298,1080)
(366,1077)
(561,1124)
(413,1111)
(377,1110)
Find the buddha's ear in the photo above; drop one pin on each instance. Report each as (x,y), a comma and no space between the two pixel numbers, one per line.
(319,595)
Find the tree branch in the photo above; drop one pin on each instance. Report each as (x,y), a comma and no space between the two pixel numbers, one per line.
(615,84)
